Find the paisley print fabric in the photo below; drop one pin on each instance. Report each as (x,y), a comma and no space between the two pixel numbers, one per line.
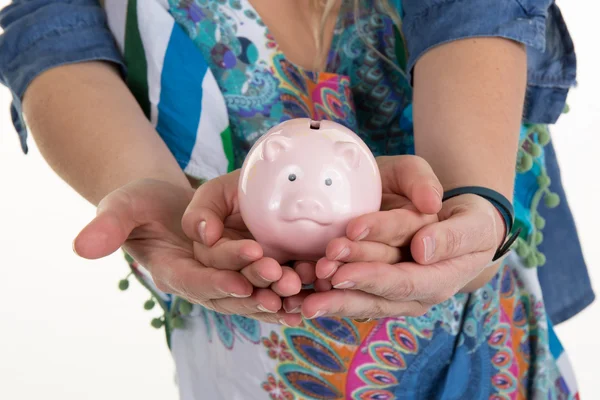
(495,343)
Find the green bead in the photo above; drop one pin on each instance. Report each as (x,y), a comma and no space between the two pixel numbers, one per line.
(526,162)
(157,323)
(123,284)
(566,109)
(531,261)
(177,322)
(522,250)
(536,150)
(543,181)
(543,137)
(541,259)
(538,238)
(540,222)
(551,200)
(149,305)
(185,308)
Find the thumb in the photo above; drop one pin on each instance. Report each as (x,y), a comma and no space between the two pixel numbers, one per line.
(467,230)
(412,177)
(106,233)
(214,201)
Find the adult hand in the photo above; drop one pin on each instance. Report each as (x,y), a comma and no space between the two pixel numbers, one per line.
(449,256)
(144,217)
(411,199)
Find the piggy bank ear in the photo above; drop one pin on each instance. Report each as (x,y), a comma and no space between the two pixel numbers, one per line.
(274,146)
(349,152)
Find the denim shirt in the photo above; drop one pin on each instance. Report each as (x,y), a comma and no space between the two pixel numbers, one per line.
(42,34)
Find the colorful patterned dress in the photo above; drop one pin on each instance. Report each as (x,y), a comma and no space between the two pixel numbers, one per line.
(212,80)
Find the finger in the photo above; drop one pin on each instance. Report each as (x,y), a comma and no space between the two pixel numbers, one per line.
(213,202)
(357,304)
(322,285)
(263,273)
(289,284)
(261,301)
(409,281)
(325,268)
(394,227)
(392,201)
(106,233)
(346,250)
(467,231)
(291,320)
(228,254)
(293,304)
(189,279)
(413,177)
(306,272)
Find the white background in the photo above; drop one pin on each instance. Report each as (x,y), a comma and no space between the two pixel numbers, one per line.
(67,332)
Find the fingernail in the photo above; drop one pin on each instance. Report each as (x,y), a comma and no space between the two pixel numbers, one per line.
(362,235)
(429,244)
(330,273)
(264,309)
(294,310)
(342,254)
(73,247)
(240,296)
(202,231)
(246,257)
(317,314)
(282,322)
(344,285)
(265,279)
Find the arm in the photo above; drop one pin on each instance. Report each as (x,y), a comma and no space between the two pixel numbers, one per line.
(468,103)
(61,63)
(92,132)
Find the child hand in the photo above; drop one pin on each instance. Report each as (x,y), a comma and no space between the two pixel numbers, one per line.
(451,255)
(411,200)
(222,241)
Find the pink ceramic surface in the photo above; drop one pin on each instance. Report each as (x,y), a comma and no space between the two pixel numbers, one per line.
(300,185)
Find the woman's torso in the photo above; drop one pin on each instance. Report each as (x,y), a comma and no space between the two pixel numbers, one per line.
(219,57)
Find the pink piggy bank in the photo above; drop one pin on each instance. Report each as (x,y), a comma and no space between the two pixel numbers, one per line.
(300,185)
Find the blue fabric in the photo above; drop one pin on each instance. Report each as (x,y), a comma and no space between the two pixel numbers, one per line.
(178,125)
(42,34)
(538,24)
(564,279)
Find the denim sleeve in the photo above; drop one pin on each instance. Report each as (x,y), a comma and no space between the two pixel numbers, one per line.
(537,24)
(42,34)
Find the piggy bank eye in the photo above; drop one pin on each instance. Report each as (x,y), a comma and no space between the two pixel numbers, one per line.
(328,181)
(292,177)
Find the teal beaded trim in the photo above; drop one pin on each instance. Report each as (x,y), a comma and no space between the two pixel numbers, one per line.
(530,154)
(172,314)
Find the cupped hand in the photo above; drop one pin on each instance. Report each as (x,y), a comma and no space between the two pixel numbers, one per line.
(144,217)
(411,199)
(222,240)
(451,255)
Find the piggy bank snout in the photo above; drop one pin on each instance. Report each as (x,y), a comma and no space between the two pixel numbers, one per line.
(309,206)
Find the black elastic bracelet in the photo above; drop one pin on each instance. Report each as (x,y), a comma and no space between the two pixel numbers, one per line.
(502,204)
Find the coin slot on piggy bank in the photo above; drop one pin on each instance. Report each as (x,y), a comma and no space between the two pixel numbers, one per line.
(300,185)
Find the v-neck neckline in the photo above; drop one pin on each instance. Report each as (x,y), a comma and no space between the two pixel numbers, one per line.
(332,49)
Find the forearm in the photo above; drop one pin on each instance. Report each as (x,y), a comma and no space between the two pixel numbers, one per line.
(92,132)
(468,105)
